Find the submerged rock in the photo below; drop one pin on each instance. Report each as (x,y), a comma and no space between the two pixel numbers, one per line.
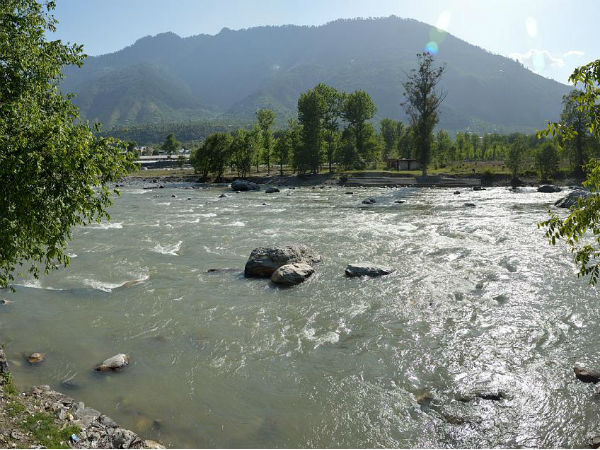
(586,375)
(36,357)
(369,201)
(244,185)
(400,201)
(263,261)
(456,192)
(366,269)
(271,190)
(548,188)
(292,274)
(478,188)
(469,205)
(116,362)
(223,196)
(572,198)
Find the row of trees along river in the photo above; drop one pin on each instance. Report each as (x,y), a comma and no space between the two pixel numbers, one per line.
(334,130)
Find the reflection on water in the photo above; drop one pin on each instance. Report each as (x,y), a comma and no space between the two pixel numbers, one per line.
(479,306)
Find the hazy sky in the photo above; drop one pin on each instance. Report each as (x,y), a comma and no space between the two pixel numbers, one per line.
(549,36)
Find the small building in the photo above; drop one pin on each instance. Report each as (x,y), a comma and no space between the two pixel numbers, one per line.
(403,164)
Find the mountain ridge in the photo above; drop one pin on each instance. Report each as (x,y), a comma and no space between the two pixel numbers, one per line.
(235,72)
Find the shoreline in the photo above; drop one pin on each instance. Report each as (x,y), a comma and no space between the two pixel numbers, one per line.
(45,418)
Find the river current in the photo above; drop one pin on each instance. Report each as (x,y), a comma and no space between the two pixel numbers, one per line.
(479,304)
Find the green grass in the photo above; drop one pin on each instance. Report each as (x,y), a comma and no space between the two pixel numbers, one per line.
(8,385)
(14,409)
(46,432)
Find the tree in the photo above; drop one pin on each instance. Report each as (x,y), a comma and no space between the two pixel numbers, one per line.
(286,143)
(358,108)
(575,118)
(311,107)
(389,134)
(516,153)
(243,147)
(422,105)
(266,118)
(546,159)
(581,228)
(171,145)
(334,104)
(54,172)
(213,155)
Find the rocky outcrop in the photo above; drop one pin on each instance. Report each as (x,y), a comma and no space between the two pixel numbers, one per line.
(3,363)
(113,363)
(548,188)
(97,430)
(263,261)
(572,198)
(586,375)
(367,269)
(244,185)
(292,274)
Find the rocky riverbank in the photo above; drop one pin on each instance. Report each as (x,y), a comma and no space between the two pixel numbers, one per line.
(44,418)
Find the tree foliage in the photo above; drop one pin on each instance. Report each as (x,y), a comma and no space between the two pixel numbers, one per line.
(422,105)
(170,145)
(581,228)
(54,174)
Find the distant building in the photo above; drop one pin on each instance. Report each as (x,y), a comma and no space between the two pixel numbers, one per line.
(403,164)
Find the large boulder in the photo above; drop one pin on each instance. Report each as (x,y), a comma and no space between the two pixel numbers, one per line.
(572,198)
(549,188)
(263,261)
(244,185)
(366,269)
(292,274)
(271,190)
(116,362)
(586,375)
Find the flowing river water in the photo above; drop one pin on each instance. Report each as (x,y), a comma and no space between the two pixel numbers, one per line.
(479,302)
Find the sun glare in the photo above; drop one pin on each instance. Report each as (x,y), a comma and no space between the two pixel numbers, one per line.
(531,27)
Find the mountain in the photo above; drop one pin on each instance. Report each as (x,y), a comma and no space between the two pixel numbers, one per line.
(234,73)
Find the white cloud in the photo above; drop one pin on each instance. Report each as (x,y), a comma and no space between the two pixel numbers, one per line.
(538,60)
(577,53)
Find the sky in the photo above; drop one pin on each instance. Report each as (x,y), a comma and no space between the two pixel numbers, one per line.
(551,37)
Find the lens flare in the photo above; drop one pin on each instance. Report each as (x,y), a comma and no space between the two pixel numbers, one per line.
(531,27)
(432,48)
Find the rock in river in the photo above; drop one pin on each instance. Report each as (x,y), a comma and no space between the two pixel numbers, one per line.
(263,261)
(271,190)
(292,274)
(35,358)
(369,201)
(572,198)
(116,362)
(244,185)
(367,269)
(587,375)
(548,188)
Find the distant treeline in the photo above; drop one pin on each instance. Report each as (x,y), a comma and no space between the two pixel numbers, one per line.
(194,131)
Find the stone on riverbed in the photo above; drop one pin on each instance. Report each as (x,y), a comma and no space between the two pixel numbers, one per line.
(271,190)
(586,375)
(292,274)
(369,201)
(35,358)
(244,185)
(367,269)
(263,261)
(572,198)
(548,188)
(116,362)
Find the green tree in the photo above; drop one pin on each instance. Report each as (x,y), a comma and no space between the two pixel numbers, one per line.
(286,143)
(311,107)
(170,145)
(334,104)
(266,118)
(243,148)
(514,160)
(54,172)
(389,134)
(213,155)
(422,105)
(358,109)
(546,160)
(574,117)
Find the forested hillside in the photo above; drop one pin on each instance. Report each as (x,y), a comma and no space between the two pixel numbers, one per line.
(166,78)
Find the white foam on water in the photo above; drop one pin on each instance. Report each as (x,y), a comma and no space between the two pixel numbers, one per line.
(108,287)
(106,225)
(164,204)
(169,249)
(208,215)
(236,224)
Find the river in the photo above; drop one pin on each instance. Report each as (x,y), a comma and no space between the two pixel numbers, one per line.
(479,302)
